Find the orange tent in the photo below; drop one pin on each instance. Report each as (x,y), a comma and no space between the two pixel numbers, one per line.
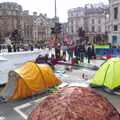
(28,80)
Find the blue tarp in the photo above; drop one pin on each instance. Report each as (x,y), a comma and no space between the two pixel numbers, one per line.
(108,51)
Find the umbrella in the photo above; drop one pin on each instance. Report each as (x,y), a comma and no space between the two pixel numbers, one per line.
(75,103)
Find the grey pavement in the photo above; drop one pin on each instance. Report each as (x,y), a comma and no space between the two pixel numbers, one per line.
(114,99)
(20,109)
(74,78)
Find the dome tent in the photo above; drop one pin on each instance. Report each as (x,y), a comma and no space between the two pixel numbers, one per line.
(75,103)
(28,80)
(108,76)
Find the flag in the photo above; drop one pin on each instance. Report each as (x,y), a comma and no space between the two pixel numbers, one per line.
(52,41)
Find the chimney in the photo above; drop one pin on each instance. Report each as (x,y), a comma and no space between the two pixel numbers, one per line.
(35,13)
(45,15)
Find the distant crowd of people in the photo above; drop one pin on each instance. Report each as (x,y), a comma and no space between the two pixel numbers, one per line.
(15,48)
(80,51)
(75,53)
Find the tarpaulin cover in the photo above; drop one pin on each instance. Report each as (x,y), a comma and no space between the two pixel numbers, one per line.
(28,80)
(75,103)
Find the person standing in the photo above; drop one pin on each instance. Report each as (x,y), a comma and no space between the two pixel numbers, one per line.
(89,53)
(57,50)
(18,48)
(64,49)
(31,47)
(93,52)
(82,52)
(77,52)
(14,47)
(9,48)
(0,47)
(70,52)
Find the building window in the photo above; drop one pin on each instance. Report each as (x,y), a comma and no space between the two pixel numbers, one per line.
(115,28)
(115,12)
(93,29)
(114,39)
(99,21)
(72,29)
(99,29)
(93,21)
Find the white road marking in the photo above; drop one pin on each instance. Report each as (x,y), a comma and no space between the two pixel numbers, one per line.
(17,109)
(39,100)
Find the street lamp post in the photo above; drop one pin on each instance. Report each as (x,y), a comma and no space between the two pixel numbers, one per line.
(55,9)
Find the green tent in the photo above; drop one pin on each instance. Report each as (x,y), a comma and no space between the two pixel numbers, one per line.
(108,75)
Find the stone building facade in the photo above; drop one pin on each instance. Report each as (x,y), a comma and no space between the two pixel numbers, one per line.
(64,27)
(36,28)
(92,19)
(76,18)
(10,16)
(32,28)
(27,27)
(41,28)
(114,33)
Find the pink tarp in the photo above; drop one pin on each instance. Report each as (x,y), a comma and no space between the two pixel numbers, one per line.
(75,103)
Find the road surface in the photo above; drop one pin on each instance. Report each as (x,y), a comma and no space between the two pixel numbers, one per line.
(20,109)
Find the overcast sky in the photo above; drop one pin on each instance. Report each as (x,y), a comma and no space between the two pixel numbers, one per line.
(47,6)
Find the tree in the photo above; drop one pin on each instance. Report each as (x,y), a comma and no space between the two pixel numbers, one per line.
(1,38)
(16,36)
